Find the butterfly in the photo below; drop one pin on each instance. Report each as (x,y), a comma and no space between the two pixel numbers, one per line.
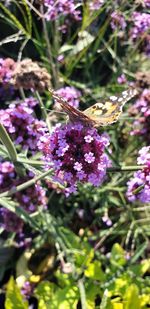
(99,114)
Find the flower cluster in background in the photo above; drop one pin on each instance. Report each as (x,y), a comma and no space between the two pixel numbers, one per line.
(147,3)
(117,21)
(77,154)
(23,128)
(7,67)
(28,199)
(139,32)
(141,111)
(96,4)
(29,75)
(141,179)
(70,94)
(58,8)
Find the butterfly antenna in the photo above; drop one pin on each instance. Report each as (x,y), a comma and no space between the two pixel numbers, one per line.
(57,97)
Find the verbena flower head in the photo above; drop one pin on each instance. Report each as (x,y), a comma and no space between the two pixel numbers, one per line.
(141,179)
(70,94)
(28,199)
(29,75)
(23,128)
(140,29)
(6,69)
(58,8)
(117,21)
(142,109)
(77,154)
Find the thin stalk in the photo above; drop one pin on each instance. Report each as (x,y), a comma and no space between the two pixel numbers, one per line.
(49,51)
(125,168)
(33,162)
(82,294)
(25,185)
(44,113)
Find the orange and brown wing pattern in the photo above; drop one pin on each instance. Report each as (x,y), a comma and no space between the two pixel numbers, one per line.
(105,113)
(99,114)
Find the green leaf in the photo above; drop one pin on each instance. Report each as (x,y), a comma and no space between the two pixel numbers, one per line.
(141,248)
(131,298)
(85,39)
(14,299)
(12,18)
(94,271)
(44,293)
(117,256)
(4,137)
(141,269)
(50,297)
(21,213)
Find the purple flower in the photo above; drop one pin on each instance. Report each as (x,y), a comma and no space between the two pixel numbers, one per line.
(70,94)
(24,129)
(117,21)
(122,79)
(82,160)
(7,67)
(89,157)
(28,199)
(58,8)
(139,185)
(141,108)
(95,4)
(141,26)
(147,3)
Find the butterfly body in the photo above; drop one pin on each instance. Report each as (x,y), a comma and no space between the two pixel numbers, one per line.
(99,114)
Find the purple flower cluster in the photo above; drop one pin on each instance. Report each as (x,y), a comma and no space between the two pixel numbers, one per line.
(23,128)
(77,154)
(6,69)
(117,21)
(141,179)
(140,30)
(147,3)
(141,24)
(142,109)
(95,4)
(70,94)
(28,199)
(57,8)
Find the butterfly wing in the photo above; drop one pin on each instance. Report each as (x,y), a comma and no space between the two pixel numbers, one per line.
(99,114)
(105,113)
(74,114)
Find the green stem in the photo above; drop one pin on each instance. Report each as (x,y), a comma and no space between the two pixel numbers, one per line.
(44,113)
(82,294)
(25,185)
(32,162)
(125,168)
(49,52)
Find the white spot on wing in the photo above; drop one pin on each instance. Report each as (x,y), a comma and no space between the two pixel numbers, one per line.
(124,94)
(120,99)
(113,98)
